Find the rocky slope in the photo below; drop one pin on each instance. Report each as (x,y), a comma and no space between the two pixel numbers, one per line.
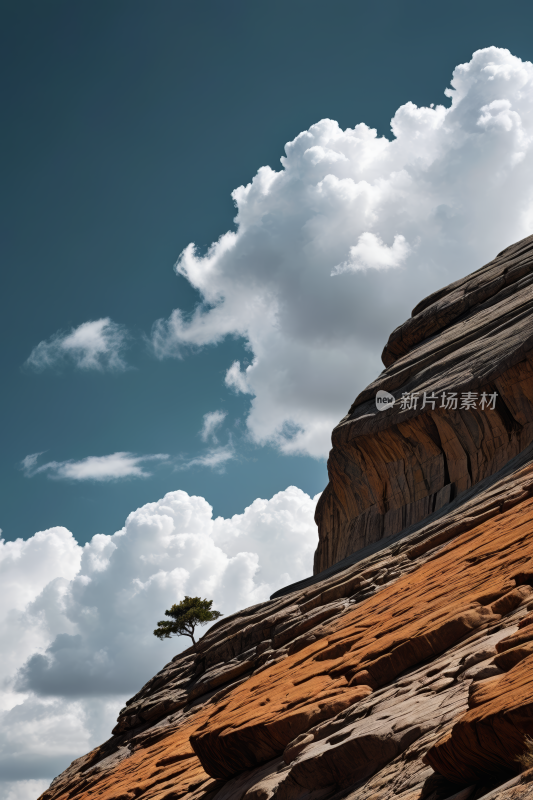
(405,667)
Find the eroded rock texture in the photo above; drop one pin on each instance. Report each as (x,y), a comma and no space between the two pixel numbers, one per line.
(401,675)
(390,469)
(404,670)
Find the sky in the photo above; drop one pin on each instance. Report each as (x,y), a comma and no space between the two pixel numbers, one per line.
(213,215)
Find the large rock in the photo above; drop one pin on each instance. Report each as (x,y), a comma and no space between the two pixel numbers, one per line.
(390,469)
(399,670)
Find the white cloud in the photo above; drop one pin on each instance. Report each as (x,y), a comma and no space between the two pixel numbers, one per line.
(46,562)
(29,463)
(97,344)
(215,458)
(391,220)
(212,421)
(236,379)
(24,790)
(371,253)
(76,622)
(42,735)
(93,468)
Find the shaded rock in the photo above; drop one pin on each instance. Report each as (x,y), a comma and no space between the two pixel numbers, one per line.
(388,470)
(263,781)
(510,658)
(488,739)
(361,749)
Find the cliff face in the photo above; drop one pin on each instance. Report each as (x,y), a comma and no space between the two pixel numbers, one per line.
(404,669)
(392,468)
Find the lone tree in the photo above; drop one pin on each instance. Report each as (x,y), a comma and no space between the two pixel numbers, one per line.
(184,617)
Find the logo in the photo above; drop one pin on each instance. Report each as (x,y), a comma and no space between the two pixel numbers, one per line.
(450,401)
(384,400)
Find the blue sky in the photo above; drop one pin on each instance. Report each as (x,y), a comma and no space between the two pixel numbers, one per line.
(126,127)
(183,314)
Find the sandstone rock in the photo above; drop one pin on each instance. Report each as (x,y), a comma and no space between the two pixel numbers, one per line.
(286,631)
(262,780)
(389,470)
(517,638)
(359,750)
(510,658)
(487,740)
(475,658)
(221,674)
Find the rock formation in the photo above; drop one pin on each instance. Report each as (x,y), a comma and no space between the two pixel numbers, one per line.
(404,668)
(390,469)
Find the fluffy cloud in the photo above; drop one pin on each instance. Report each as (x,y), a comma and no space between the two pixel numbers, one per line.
(32,746)
(76,622)
(44,563)
(97,344)
(93,468)
(371,253)
(333,251)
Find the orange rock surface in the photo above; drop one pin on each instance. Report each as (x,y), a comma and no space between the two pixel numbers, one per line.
(417,618)
(459,590)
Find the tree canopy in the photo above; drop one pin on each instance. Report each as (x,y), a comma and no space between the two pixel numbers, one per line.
(185,616)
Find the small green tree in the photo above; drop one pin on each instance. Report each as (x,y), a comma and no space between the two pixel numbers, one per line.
(184,617)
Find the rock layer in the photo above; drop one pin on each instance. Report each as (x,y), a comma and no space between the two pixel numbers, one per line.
(403,670)
(390,469)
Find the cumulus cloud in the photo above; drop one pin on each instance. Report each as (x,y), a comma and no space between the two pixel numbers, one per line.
(371,253)
(43,563)
(76,622)
(212,421)
(24,789)
(97,344)
(332,251)
(42,736)
(93,468)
